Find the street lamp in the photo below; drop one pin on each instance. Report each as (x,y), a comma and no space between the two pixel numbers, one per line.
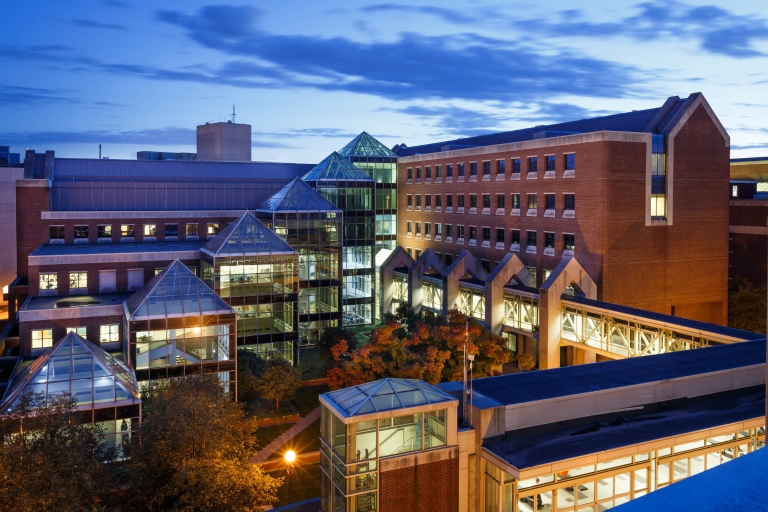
(290,456)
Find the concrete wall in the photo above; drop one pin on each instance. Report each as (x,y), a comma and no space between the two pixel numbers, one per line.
(224,142)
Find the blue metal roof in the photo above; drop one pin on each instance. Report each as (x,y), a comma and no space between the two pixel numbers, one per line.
(635,121)
(336,168)
(297,196)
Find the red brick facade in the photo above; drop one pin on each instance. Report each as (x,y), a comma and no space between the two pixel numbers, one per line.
(749,241)
(432,487)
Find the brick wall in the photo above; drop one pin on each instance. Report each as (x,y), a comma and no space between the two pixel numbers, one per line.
(432,486)
(59,329)
(31,231)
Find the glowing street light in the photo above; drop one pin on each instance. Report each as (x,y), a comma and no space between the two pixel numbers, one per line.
(290,457)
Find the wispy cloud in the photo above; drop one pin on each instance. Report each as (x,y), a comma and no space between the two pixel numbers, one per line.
(11,95)
(97,24)
(449,15)
(169,136)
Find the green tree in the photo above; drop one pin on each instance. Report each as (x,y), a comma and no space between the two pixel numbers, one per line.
(746,306)
(192,452)
(249,366)
(50,459)
(278,381)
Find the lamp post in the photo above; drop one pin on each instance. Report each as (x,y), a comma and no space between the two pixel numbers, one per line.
(290,456)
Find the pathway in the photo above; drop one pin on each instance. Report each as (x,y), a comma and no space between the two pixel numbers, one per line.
(286,436)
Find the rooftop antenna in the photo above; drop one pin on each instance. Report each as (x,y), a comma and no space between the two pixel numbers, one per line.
(99,151)
(233,113)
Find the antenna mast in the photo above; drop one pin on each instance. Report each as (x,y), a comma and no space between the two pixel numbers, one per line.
(233,113)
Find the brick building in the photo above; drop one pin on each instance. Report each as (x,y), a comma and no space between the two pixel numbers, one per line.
(748,230)
(638,198)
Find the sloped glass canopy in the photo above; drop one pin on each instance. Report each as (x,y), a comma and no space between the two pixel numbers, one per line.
(365,145)
(175,292)
(297,196)
(386,395)
(77,366)
(336,168)
(246,236)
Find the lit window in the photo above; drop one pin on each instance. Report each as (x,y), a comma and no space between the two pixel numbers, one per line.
(150,229)
(213,229)
(735,191)
(78,280)
(80,331)
(42,338)
(438,229)
(531,201)
(105,231)
(109,333)
(192,229)
(126,230)
(516,201)
(49,281)
(472,233)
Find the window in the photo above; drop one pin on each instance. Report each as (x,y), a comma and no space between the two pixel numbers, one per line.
(460,231)
(42,338)
(438,171)
(428,201)
(78,280)
(418,201)
(409,227)
(213,229)
(568,242)
(500,166)
(486,200)
(107,281)
(105,231)
(150,229)
(532,281)
(410,200)
(531,201)
(533,164)
(126,230)
(135,279)
(448,259)
(438,229)
(735,191)
(472,233)
(500,235)
(158,271)
(418,253)
(658,177)
(473,168)
(549,199)
(486,168)
(551,163)
(449,170)
(461,200)
(410,173)
(569,162)
(486,264)
(516,201)
(410,252)
(515,166)
(486,234)
(549,240)
(473,200)
(57,232)
(449,201)
(461,169)
(449,230)
(531,239)
(192,230)
(109,333)
(80,331)
(438,201)
(516,236)
(49,283)
(427,229)
(171,230)
(428,172)
(418,229)
(499,200)
(418,173)
(570,201)
(81,232)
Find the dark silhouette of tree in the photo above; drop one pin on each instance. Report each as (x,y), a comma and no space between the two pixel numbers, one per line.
(746,306)
(278,381)
(249,367)
(331,336)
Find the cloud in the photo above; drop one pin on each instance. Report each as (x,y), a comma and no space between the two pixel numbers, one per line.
(117,3)
(752,146)
(97,24)
(169,136)
(308,132)
(449,15)
(11,95)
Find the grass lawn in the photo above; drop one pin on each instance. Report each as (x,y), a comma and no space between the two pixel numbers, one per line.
(265,435)
(308,440)
(305,483)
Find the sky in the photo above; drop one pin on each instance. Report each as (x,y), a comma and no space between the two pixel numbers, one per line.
(309,76)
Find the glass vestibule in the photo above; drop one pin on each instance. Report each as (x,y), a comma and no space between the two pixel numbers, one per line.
(183,345)
(244,277)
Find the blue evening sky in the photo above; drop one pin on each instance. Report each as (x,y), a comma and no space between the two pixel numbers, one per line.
(308,76)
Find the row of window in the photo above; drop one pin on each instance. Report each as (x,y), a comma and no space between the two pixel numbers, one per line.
(500,167)
(43,338)
(436,229)
(78,281)
(104,231)
(569,201)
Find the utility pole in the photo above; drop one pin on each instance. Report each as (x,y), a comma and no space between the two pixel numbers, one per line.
(465,412)
(99,151)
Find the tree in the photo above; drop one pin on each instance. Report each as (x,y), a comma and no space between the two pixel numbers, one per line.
(192,452)
(50,459)
(525,362)
(331,336)
(278,381)
(249,366)
(746,306)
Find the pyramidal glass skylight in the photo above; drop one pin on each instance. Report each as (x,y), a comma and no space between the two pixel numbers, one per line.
(365,145)
(297,196)
(247,236)
(336,168)
(386,395)
(77,366)
(174,292)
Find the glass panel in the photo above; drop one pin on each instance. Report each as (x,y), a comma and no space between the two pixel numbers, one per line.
(399,435)
(681,469)
(623,483)
(605,488)
(435,433)
(365,440)
(697,465)
(491,494)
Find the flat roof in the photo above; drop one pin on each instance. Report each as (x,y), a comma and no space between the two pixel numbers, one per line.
(50,302)
(116,248)
(537,385)
(545,444)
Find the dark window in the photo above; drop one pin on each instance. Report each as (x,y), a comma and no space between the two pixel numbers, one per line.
(473,200)
(418,201)
(171,230)
(550,163)
(460,231)
(410,200)
(438,171)
(550,200)
(409,227)
(449,200)
(438,229)
(438,200)
(410,173)
(532,238)
(461,169)
(461,200)
(570,201)
(81,232)
(418,228)
(57,232)
(531,201)
(473,168)
(500,167)
(516,201)
(449,230)
(486,168)
(516,236)
(428,201)
(192,229)
(449,170)
(428,172)
(500,235)
(515,166)
(472,233)
(428,229)
(533,164)
(448,259)
(568,242)
(418,173)
(486,234)
(418,253)
(570,162)
(499,200)
(549,240)
(105,231)
(410,252)
(486,265)
(486,200)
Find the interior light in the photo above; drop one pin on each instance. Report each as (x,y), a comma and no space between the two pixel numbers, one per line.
(197,330)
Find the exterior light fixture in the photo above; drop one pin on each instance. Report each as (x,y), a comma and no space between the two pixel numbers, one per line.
(290,457)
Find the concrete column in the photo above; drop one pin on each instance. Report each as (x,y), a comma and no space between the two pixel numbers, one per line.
(398,258)
(427,260)
(510,266)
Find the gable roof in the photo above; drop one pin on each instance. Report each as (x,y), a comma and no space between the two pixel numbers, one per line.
(174,292)
(297,196)
(75,365)
(365,145)
(336,168)
(246,236)
(385,395)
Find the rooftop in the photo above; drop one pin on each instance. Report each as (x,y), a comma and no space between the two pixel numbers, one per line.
(545,444)
(74,301)
(385,395)
(116,248)
(365,145)
(336,168)
(246,236)
(297,196)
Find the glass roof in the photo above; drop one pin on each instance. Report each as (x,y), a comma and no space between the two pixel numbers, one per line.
(77,366)
(386,395)
(336,168)
(246,236)
(297,196)
(174,292)
(365,145)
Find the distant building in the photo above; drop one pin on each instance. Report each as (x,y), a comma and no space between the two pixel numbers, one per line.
(748,234)
(224,142)
(8,159)
(166,155)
